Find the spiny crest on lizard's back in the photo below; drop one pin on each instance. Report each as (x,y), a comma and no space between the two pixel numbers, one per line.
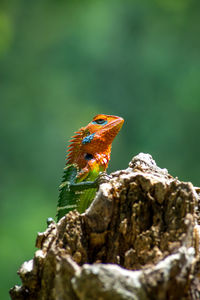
(75,146)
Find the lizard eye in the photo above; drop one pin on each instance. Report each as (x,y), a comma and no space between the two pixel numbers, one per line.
(100,122)
(88,156)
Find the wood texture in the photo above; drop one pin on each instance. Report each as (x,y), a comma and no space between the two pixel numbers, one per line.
(139,239)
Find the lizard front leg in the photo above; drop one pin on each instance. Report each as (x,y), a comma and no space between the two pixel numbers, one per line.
(103,177)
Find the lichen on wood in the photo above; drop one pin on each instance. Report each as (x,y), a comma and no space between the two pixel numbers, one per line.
(139,239)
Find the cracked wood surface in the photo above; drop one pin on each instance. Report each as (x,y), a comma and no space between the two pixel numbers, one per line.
(139,239)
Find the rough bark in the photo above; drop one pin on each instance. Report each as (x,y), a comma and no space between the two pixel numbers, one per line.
(139,239)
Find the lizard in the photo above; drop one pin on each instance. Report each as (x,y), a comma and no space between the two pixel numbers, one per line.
(87,160)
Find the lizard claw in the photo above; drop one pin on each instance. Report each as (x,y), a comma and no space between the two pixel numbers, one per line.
(103,178)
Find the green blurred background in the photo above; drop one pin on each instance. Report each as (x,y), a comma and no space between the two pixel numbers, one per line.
(61,63)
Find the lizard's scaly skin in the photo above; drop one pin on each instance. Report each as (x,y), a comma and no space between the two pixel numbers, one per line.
(88,156)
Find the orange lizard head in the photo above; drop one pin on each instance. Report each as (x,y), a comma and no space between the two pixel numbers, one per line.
(94,140)
(102,131)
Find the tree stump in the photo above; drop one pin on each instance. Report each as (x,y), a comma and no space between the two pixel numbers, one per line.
(139,239)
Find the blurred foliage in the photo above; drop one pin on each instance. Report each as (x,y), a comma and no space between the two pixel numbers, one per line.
(62,62)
